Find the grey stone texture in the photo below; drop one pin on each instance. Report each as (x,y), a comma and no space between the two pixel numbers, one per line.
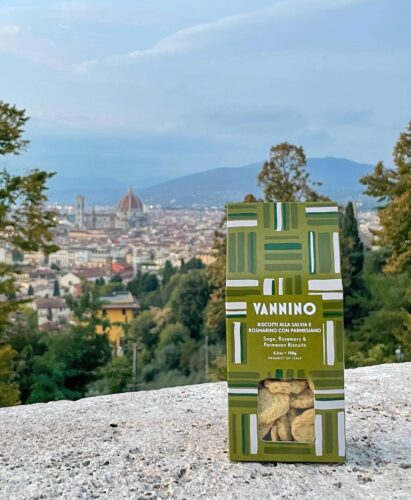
(172,443)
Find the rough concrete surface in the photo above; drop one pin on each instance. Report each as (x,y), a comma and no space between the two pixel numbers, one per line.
(172,443)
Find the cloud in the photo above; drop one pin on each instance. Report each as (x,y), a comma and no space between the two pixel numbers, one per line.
(199,35)
(9,30)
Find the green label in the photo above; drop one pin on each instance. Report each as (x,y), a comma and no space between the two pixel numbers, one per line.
(284,310)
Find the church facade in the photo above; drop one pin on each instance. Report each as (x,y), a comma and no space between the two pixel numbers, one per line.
(129,214)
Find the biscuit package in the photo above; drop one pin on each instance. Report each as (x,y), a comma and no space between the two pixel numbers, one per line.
(284,317)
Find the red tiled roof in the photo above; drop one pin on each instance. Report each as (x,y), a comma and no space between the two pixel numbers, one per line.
(130,203)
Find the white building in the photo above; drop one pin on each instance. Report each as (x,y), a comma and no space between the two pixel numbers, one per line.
(51,309)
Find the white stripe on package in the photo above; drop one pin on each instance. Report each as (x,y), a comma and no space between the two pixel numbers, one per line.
(237,342)
(230,306)
(241,223)
(279,217)
(268,286)
(329,405)
(318,425)
(341,434)
(330,343)
(325,285)
(319,210)
(336,252)
(240,283)
(245,390)
(253,435)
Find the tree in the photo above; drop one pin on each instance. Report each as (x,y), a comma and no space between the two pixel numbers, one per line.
(353,250)
(26,340)
(216,275)
(356,293)
(56,289)
(12,122)
(193,263)
(387,326)
(24,223)
(69,364)
(168,271)
(392,187)
(143,283)
(9,389)
(284,176)
(189,300)
(116,278)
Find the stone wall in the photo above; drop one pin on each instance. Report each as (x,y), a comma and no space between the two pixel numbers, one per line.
(171,443)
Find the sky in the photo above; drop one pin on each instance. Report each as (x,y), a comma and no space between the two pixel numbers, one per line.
(141,91)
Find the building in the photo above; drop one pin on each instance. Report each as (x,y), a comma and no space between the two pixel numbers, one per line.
(80,212)
(51,310)
(128,214)
(119,309)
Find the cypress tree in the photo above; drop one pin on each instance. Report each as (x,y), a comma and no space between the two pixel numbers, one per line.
(56,289)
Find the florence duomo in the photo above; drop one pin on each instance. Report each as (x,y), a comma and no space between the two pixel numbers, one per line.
(129,213)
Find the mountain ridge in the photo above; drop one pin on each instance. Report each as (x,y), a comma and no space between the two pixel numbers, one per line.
(212,187)
(339,178)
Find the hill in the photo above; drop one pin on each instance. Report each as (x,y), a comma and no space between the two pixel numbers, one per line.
(214,187)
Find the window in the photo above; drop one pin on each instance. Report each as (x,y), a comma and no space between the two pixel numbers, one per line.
(286,410)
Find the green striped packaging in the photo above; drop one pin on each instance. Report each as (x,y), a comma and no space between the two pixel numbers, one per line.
(284,282)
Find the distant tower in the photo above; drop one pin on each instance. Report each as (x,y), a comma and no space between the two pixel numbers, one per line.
(135,262)
(93,218)
(80,212)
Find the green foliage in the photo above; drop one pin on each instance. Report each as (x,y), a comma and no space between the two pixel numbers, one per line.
(143,283)
(24,223)
(116,278)
(12,122)
(189,300)
(392,187)
(25,339)
(193,263)
(215,312)
(387,324)
(9,389)
(69,363)
(168,272)
(284,176)
(143,329)
(353,248)
(356,293)
(114,377)
(218,369)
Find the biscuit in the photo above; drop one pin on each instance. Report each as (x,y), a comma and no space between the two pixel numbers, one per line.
(263,430)
(271,406)
(283,428)
(311,385)
(302,427)
(292,413)
(274,433)
(303,400)
(285,386)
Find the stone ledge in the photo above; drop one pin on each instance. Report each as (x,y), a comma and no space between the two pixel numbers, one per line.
(172,443)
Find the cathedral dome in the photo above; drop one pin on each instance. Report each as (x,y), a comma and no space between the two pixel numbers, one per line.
(130,203)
